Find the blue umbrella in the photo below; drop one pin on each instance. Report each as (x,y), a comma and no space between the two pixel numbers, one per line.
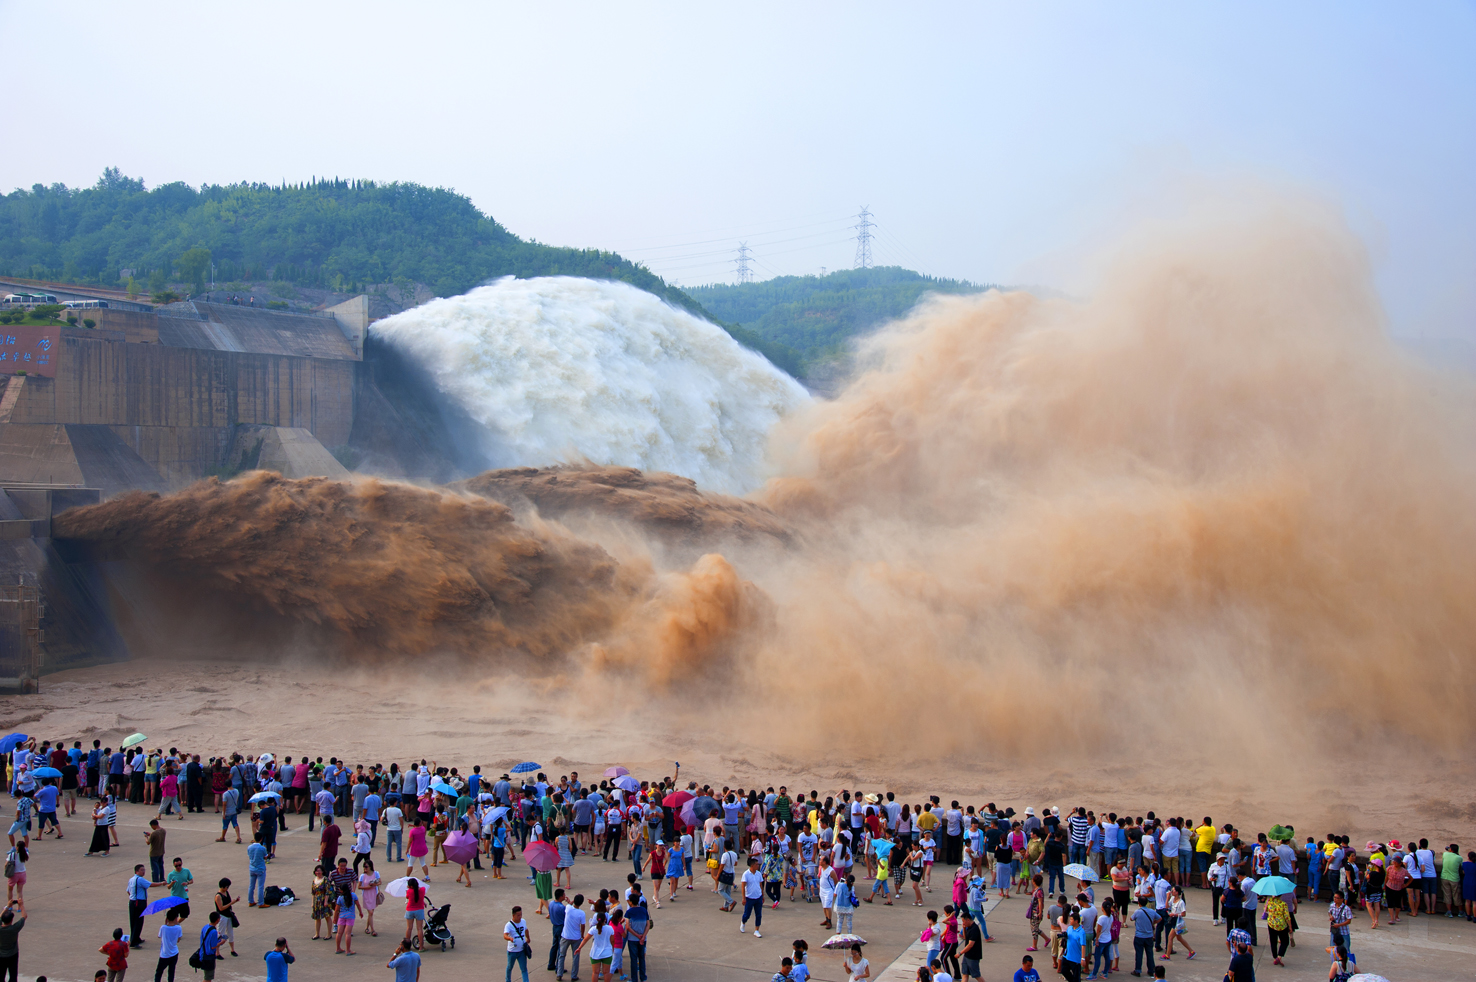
(881,846)
(441,787)
(164,903)
(262,796)
(46,772)
(11,742)
(526,767)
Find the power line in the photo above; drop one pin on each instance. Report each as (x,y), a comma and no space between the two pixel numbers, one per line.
(863,239)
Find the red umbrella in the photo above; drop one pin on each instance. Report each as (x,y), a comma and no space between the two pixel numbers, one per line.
(677,799)
(460,847)
(616,771)
(542,856)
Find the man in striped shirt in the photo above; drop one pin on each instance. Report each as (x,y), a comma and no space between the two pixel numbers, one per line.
(1079,824)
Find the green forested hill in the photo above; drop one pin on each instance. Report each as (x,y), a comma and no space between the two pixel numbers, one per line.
(816,315)
(334,234)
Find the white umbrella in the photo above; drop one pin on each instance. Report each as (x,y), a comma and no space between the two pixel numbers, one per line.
(843,941)
(1366,977)
(398,888)
(1080,872)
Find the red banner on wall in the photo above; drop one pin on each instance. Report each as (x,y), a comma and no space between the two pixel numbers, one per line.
(33,350)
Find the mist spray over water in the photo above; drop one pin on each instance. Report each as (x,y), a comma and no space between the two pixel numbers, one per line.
(1211,502)
(561,369)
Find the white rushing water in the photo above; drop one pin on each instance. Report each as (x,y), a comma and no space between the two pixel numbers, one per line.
(561,368)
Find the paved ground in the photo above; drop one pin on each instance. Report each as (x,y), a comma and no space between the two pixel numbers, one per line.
(75,902)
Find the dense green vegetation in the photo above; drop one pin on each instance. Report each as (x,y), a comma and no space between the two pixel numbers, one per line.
(336,234)
(816,315)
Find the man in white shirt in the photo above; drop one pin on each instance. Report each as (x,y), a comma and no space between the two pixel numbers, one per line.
(571,935)
(753,897)
(1169,847)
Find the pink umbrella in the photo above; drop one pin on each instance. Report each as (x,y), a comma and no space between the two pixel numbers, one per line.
(687,815)
(542,856)
(460,847)
(616,771)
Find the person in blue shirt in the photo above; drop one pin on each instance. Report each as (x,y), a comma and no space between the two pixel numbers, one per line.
(1075,942)
(405,962)
(372,804)
(277,961)
(256,857)
(1145,925)
(556,921)
(1026,972)
(46,797)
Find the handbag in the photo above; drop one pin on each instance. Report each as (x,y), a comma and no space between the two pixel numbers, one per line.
(10,859)
(378,897)
(725,878)
(527,945)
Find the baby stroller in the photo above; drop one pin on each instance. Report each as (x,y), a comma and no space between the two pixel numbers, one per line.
(436,931)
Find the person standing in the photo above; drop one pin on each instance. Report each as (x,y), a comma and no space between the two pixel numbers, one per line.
(209,947)
(169,935)
(405,963)
(1145,926)
(155,838)
(393,819)
(570,937)
(753,897)
(256,858)
(10,928)
(195,785)
(179,880)
(138,899)
(277,961)
(116,951)
(328,840)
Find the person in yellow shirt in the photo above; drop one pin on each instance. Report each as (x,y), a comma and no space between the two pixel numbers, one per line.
(928,821)
(1204,847)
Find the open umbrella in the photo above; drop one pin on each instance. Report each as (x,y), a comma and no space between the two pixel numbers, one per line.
(616,771)
(460,847)
(1274,886)
(497,813)
(705,806)
(686,816)
(133,740)
(44,772)
(626,783)
(398,888)
(526,767)
(164,903)
(677,799)
(1366,977)
(542,856)
(11,742)
(441,787)
(881,847)
(843,941)
(1080,872)
(262,796)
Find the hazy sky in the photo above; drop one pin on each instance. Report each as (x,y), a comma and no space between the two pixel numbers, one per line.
(985,137)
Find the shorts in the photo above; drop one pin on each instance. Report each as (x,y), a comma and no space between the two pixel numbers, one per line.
(414,915)
(19,828)
(1171,864)
(1374,898)
(969,967)
(1202,860)
(1428,885)
(347,922)
(19,879)
(226,821)
(601,961)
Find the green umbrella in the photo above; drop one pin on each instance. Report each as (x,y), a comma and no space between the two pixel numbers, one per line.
(133,741)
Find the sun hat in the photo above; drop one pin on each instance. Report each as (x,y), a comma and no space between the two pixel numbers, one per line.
(1394,844)
(1372,845)
(1030,809)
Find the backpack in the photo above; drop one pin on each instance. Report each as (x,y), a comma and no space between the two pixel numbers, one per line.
(272,896)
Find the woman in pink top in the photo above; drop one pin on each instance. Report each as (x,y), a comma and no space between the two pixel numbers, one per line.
(417,850)
(415,904)
(169,793)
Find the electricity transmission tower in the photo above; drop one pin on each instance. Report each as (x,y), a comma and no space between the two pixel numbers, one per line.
(745,275)
(863,229)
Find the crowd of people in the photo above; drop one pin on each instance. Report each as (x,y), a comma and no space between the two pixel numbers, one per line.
(1081,879)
